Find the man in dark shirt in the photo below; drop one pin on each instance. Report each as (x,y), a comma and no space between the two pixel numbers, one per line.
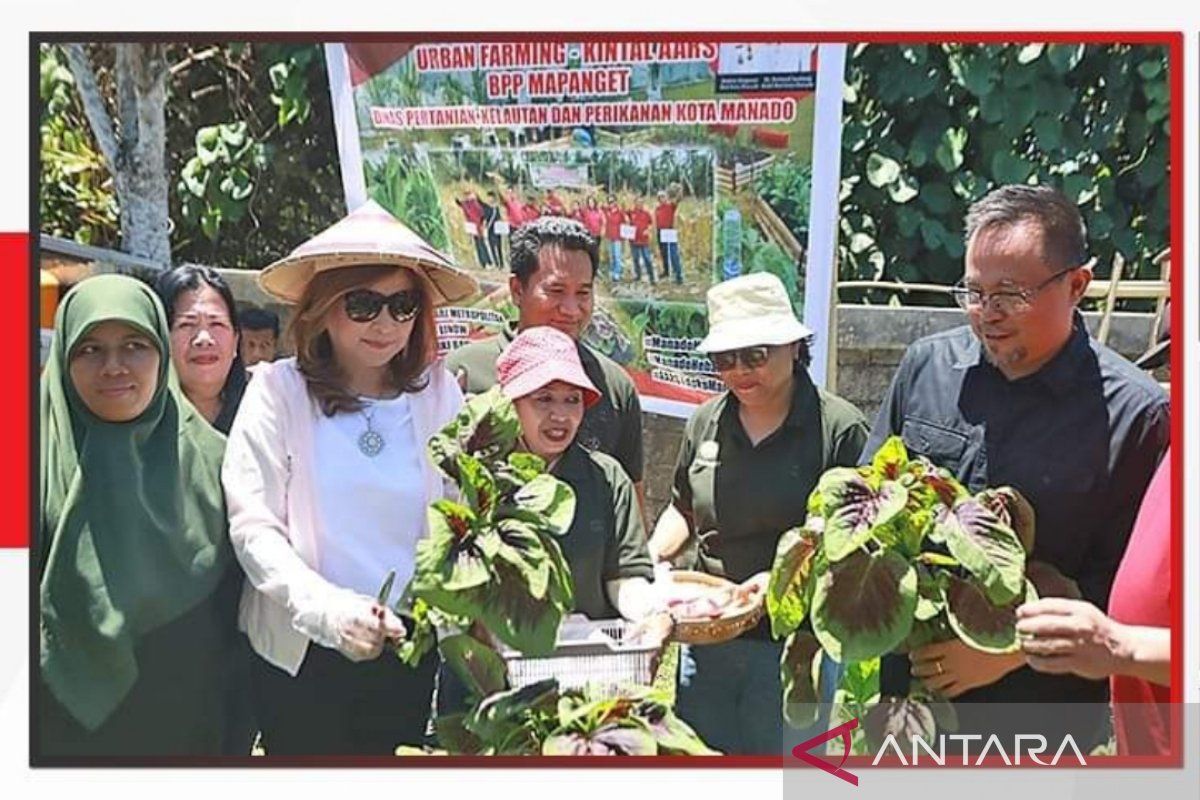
(1024,397)
(553,262)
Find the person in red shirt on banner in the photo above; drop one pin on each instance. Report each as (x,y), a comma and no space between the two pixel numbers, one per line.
(614,218)
(530,211)
(1131,645)
(592,217)
(668,245)
(554,204)
(641,221)
(473,212)
(513,209)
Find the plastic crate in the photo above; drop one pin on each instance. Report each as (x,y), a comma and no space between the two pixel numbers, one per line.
(577,662)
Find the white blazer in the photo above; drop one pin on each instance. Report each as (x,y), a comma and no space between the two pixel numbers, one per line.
(270,490)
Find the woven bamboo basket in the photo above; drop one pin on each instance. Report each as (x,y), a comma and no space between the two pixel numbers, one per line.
(736,621)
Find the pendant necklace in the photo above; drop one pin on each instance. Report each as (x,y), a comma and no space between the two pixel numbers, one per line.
(370,442)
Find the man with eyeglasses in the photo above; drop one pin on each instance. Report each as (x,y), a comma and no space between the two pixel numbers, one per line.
(1023,396)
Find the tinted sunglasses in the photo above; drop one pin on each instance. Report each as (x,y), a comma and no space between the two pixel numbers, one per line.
(751,358)
(364,305)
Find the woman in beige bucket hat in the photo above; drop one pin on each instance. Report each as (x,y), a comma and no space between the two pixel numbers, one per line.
(327,481)
(749,460)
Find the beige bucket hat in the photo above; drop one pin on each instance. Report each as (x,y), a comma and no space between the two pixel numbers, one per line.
(368,235)
(750,310)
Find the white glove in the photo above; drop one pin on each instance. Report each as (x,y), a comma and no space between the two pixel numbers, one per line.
(357,626)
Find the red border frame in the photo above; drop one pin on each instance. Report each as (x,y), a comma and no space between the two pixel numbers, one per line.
(18,249)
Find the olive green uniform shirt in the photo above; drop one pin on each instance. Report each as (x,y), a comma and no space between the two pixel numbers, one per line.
(606,540)
(739,497)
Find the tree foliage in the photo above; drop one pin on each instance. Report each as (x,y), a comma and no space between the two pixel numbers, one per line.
(77,198)
(251,154)
(928,129)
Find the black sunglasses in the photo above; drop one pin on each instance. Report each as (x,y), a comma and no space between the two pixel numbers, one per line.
(751,358)
(364,305)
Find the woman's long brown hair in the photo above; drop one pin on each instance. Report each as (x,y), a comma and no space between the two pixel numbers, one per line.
(314,348)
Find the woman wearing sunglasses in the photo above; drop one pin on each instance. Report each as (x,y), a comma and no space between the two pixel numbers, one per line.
(749,460)
(327,480)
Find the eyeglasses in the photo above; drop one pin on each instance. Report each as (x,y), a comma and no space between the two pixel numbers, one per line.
(364,305)
(1011,302)
(751,358)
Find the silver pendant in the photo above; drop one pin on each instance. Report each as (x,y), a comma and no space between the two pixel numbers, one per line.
(370,443)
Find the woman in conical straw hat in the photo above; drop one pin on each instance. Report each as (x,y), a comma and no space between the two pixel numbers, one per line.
(749,460)
(327,479)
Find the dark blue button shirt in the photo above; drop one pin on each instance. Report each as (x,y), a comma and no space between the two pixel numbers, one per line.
(1080,439)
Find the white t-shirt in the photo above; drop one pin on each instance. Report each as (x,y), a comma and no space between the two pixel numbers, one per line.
(372,508)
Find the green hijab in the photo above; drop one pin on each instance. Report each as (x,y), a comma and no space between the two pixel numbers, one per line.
(133,531)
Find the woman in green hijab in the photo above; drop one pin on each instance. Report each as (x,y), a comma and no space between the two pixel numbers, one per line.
(138,587)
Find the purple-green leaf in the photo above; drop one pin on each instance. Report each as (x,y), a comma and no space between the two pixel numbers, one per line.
(517,618)
(1049,582)
(479,666)
(863,605)
(1014,511)
(979,623)
(788,591)
(986,547)
(853,510)
(891,460)
(798,673)
(900,717)
(609,741)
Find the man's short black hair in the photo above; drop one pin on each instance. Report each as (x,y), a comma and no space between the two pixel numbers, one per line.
(549,231)
(1064,236)
(259,319)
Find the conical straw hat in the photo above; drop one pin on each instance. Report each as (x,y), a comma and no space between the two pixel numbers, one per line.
(368,235)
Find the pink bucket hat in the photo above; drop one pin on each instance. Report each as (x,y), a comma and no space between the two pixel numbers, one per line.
(538,356)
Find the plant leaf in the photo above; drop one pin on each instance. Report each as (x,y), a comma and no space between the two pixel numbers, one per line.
(798,672)
(479,666)
(986,547)
(552,498)
(891,460)
(901,717)
(517,618)
(978,622)
(1049,582)
(1014,511)
(853,510)
(501,715)
(863,606)
(788,590)
(452,734)
(676,737)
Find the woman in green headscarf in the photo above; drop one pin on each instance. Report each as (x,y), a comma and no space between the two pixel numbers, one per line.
(138,587)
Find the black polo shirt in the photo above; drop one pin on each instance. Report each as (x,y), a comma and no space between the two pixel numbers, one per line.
(1080,439)
(739,497)
(613,425)
(607,539)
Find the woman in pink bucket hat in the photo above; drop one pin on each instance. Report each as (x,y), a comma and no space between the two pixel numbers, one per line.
(605,546)
(327,479)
